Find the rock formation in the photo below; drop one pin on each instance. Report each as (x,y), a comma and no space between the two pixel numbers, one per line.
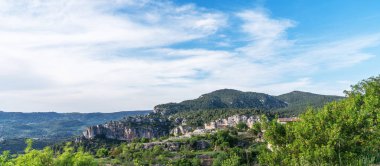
(130,128)
(232,121)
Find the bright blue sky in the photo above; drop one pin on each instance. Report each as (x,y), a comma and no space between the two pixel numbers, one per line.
(86,56)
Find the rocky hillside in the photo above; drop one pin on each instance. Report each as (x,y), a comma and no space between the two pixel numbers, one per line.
(130,128)
(225,98)
(219,109)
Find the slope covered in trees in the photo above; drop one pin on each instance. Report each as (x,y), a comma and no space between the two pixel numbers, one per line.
(224,98)
(289,104)
(298,101)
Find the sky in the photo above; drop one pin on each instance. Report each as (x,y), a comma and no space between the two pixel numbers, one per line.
(119,55)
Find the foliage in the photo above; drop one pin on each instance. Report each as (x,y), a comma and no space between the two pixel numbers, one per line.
(242,126)
(102,152)
(341,133)
(47,157)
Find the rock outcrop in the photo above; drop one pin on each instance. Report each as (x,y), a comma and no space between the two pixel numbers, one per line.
(181,130)
(130,128)
(232,121)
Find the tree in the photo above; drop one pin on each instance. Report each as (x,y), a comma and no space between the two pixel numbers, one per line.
(34,157)
(256,129)
(195,161)
(5,159)
(233,160)
(83,159)
(342,133)
(102,152)
(241,126)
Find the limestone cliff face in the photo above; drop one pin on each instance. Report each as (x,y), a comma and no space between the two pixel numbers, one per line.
(181,130)
(130,128)
(232,121)
(147,127)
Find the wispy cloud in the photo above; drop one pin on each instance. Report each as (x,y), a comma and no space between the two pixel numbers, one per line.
(120,54)
(266,35)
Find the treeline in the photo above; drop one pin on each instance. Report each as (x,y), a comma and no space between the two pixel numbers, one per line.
(299,101)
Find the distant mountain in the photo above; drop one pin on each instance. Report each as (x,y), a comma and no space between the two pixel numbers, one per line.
(225,106)
(47,127)
(224,98)
(299,101)
(52,124)
(288,104)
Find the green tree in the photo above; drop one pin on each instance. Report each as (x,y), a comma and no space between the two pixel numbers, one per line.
(102,152)
(195,161)
(342,133)
(5,159)
(241,126)
(256,128)
(83,159)
(233,160)
(34,157)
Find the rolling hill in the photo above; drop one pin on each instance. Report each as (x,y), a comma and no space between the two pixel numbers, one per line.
(291,103)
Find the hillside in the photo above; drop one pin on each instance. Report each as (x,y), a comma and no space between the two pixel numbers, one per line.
(299,101)
(289,104)
(217,106)
(224,98)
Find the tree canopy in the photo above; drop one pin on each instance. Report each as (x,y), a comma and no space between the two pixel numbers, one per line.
(344,132)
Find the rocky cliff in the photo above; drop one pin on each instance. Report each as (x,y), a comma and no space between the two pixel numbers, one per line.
(232,121)
(130,128)
(147,127)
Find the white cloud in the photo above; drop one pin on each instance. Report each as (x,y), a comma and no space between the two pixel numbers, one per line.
(338,54)
(267,36)
(117,55)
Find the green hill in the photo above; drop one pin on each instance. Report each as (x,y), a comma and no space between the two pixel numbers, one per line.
(224,98)
(299,101)
(289,104)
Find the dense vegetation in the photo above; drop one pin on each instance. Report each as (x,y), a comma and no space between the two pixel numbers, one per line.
(48,157)
(286,105)
(298,102)
(225,149)
(345,132)
(224,98)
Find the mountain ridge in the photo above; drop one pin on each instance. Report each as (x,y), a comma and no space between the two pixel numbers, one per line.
(236,99)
